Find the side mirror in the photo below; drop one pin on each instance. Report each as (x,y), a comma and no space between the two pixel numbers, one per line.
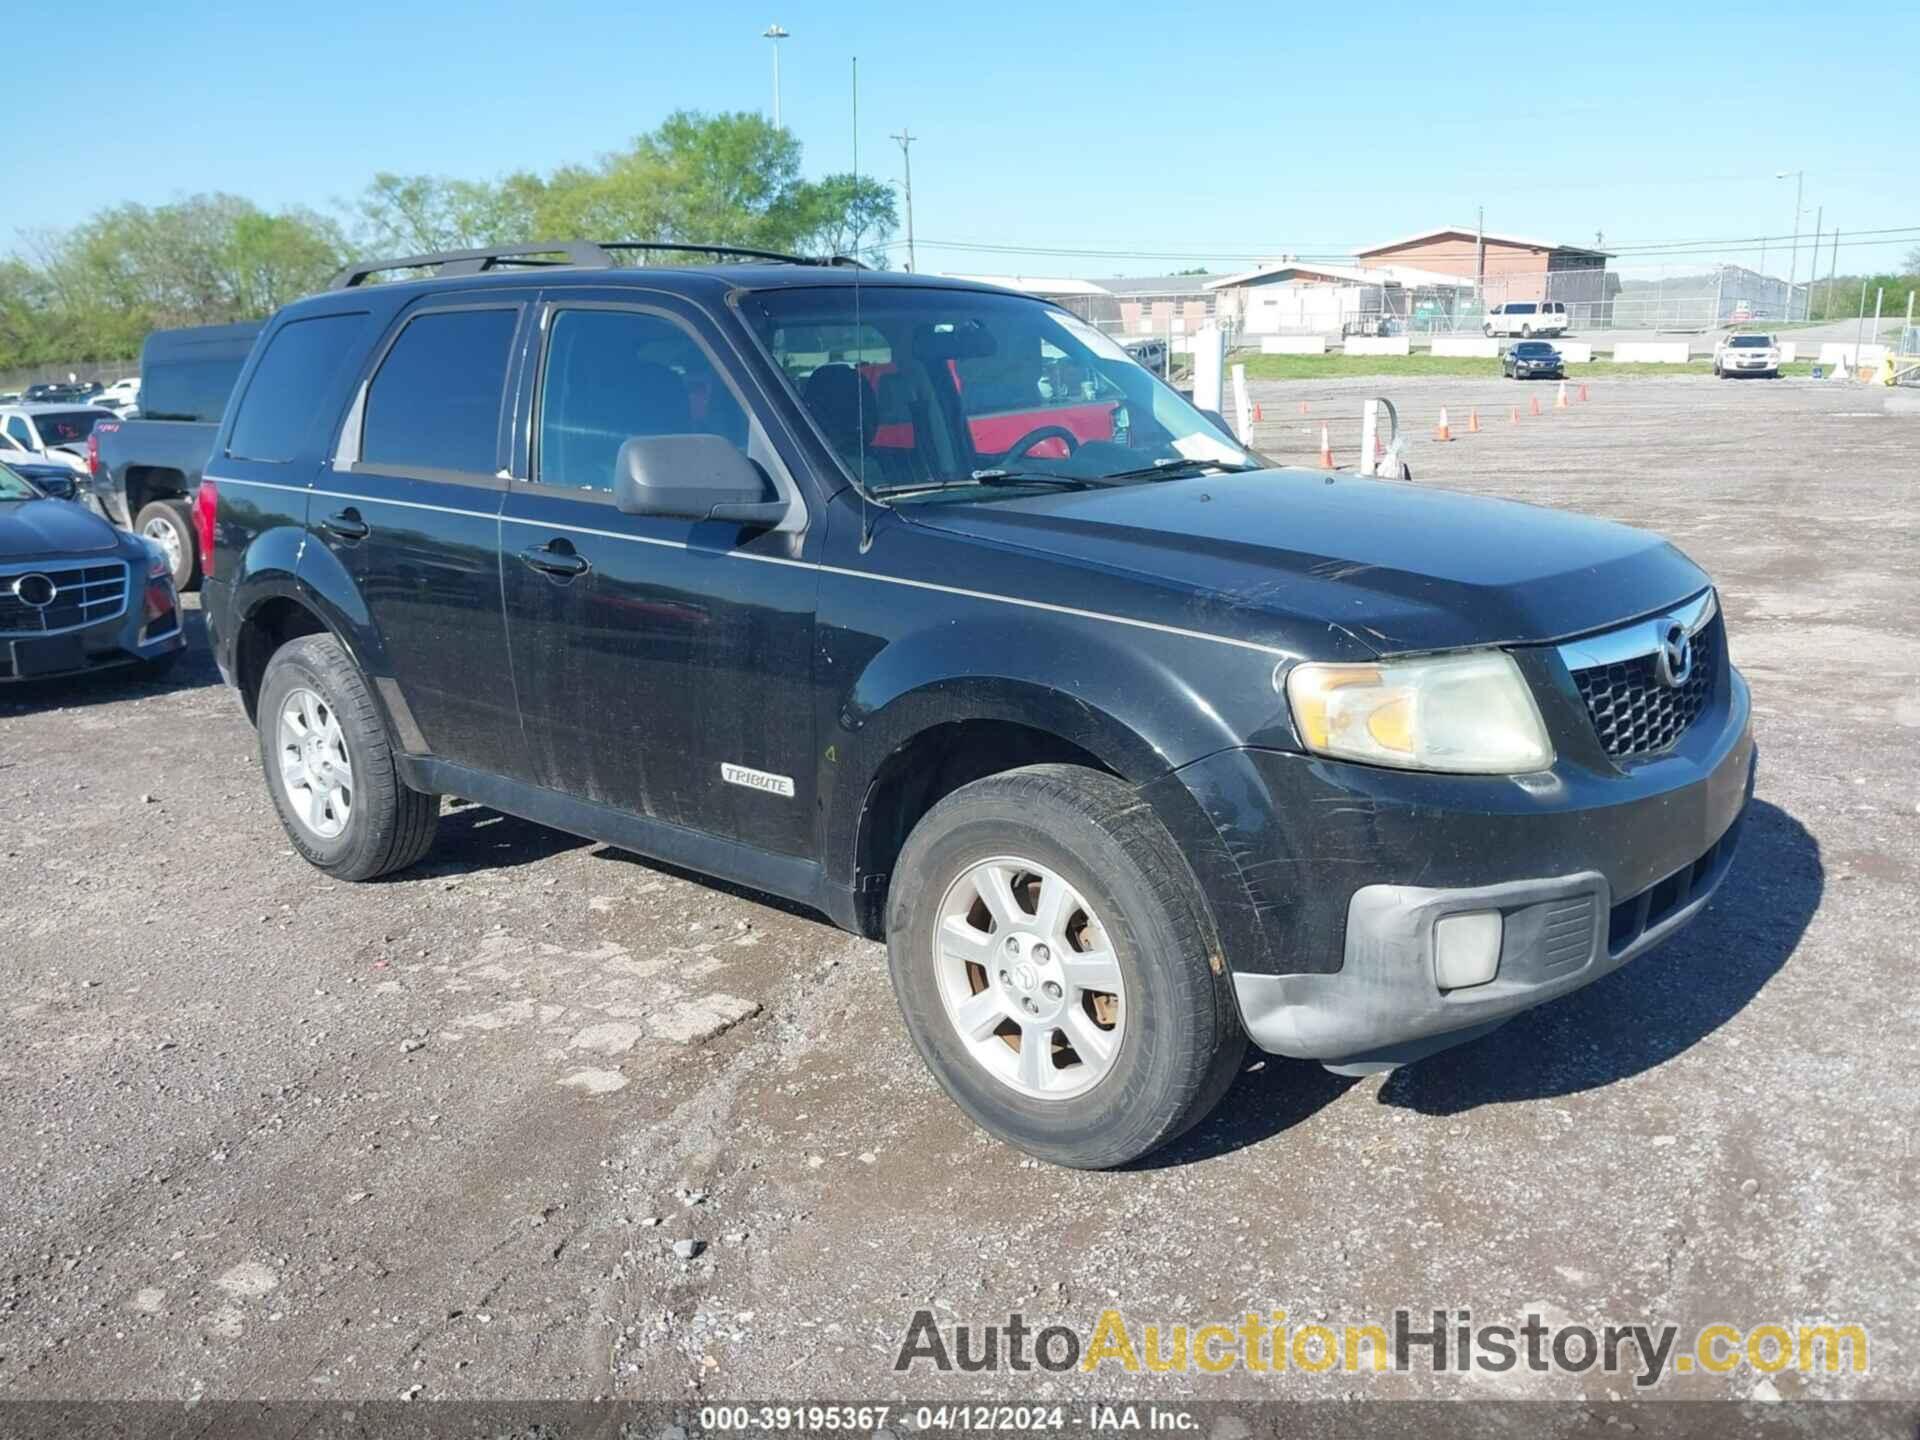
(693,477)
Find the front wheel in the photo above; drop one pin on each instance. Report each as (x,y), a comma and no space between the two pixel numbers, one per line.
(330,768)
(1051,964)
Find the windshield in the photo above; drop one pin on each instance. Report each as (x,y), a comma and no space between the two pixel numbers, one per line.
(1533,347)
(1751,342)
(67,427)
(13,487)
(974,396)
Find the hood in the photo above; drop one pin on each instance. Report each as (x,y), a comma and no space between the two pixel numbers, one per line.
(1276,555)
(33,529)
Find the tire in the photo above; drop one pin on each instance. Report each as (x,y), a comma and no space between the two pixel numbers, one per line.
(382,825)
(1179,1039)
(1718,373)
(1487,330)
(171,523)
(1526,332)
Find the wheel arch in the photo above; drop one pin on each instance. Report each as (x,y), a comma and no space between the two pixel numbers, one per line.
(944,734)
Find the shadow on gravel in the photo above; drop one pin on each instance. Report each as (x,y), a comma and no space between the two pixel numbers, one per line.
(1272,1094)
(472,837)
(1653,1008)
(193,671)
(724,887)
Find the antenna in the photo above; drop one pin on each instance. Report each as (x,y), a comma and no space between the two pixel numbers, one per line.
(860,388)
(906,137)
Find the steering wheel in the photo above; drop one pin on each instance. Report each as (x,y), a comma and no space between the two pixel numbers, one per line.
(1043,432)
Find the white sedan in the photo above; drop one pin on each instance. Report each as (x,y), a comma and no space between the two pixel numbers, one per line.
(57,433)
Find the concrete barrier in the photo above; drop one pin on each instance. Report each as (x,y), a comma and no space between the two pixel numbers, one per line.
(1651,352)
(1466,346)
(1835,352)
(1378,345)
(1293,344)
(1789,352)
(1575,352)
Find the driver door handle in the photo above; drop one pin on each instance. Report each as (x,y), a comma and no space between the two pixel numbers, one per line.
(564,564)
(346,525)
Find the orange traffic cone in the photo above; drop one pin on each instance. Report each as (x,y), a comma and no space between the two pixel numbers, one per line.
(1440,431)
(1473,421)
(1303,407)
(1326,450)
(1256,412)
(1560,400)
(1513,416)
(1583,390)
(1534,407)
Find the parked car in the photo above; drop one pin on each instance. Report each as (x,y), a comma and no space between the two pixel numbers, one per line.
(1747,355)
(1533,360)
(121,396)
(77,595)
(145,469)
(61,392)
(54,480)
(1526,318)
(56,433)
(1129,745)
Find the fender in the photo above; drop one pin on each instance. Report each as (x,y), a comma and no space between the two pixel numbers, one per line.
(1085,685)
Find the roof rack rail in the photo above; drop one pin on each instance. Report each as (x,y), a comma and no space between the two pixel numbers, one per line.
(581,254)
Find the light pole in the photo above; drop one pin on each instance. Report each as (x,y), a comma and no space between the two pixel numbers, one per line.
(906,138)
(1793,266)
(776,34)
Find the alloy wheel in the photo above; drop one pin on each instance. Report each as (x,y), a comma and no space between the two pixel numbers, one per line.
(167,538)
(1029,978)
(314,765)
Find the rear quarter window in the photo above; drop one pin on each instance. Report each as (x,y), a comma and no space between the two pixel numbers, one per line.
(193,390)
(435,402)
(286,399)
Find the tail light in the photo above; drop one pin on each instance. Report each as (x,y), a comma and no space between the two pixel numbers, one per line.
(205,501)
(93,455)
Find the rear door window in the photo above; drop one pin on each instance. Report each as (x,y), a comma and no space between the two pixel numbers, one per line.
(280,414)
(434,404)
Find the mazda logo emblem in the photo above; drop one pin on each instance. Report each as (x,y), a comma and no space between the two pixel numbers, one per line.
(35,590)
(1673,661)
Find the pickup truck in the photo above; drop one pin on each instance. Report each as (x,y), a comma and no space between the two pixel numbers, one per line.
(144,472)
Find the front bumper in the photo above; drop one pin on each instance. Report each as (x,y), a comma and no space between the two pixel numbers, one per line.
(1343,870)
(142,628)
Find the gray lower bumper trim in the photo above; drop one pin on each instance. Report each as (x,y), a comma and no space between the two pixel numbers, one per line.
(1382,1008)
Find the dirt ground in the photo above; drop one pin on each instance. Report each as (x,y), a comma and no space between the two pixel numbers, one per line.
(266,1135)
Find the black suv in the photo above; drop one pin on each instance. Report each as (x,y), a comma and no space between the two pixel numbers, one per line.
(922,603)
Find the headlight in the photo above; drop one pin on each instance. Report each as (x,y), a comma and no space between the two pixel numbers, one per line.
(1471,713)
(158,565)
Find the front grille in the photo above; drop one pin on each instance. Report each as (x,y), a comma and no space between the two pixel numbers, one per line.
(83,595)
(1633,713)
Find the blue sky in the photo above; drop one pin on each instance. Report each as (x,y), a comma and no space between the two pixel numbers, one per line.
(1211,132)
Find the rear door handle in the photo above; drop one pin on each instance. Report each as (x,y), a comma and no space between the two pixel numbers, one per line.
(562,563)
(346,525)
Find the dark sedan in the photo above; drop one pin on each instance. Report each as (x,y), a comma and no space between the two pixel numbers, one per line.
(77,595)
(1533,360)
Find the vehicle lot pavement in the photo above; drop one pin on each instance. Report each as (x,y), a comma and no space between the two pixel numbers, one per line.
(266,1135)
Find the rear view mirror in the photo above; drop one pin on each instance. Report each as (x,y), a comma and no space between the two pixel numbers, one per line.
(693,477)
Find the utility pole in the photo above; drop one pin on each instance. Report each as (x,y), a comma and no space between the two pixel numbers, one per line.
(906,137)
(776,34)
(1793,267)
(1480,253)
(1813,258)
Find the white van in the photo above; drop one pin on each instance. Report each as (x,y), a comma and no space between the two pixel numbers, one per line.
(1526,318)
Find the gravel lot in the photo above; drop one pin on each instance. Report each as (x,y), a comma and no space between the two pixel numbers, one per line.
(265,1135)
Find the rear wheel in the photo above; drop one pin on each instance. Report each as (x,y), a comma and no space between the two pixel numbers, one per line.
(1052,967)
(330,769)
(169,524)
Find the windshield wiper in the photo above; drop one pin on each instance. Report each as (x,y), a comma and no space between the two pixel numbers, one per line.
(986,477)
(1167,469)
